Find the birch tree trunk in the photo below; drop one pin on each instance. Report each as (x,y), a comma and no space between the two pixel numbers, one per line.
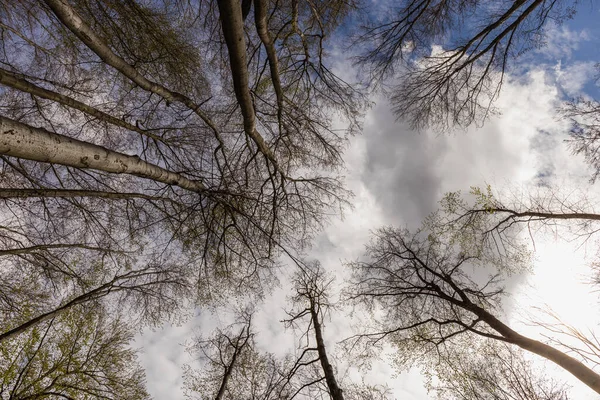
(36,144)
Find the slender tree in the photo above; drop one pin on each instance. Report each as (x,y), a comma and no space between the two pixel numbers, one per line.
(233,367)
(312,302)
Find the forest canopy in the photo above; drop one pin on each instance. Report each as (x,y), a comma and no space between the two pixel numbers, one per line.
(169,161)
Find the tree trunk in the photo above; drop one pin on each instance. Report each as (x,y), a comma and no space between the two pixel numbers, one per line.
(575,367)
(88,296)
(36,144)
(229,368)
(334,389)
(233,31)
(9,79)
(260,17)
(12,193)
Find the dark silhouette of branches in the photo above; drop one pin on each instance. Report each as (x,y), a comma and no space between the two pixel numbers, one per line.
(456,83)
(312,302)
(584,115)
(428,298)
(141,134)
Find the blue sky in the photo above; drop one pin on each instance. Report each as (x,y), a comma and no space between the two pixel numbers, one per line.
(399,175)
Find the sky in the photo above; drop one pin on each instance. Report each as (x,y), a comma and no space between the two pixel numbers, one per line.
(398,176)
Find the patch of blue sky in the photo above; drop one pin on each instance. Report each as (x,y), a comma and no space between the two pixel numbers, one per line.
(567,49)
(583,45)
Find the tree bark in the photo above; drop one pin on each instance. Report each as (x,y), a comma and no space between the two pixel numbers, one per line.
(260,17)
(36,144)
(73,193)
(233,31)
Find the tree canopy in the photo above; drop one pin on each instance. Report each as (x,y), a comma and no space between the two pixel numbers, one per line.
(163,158)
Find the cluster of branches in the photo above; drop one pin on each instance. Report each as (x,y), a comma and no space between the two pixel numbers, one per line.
(155,155)
(490,371)
(234,366)
(441,287)
(129,167)
(449,58)
(160,155)
(80,354)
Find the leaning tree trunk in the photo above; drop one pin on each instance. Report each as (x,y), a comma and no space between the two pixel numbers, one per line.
(332,385)
(575,367)
(36,144)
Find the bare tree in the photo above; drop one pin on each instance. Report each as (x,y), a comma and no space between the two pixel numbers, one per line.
(426,294)
(312,302)
(80,354)
(233,367)
(457,83)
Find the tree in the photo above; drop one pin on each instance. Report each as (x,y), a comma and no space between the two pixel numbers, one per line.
(156,156)
(427,297)
(80,354)
(122,149)
(234,367)
(312,285)
(451,56)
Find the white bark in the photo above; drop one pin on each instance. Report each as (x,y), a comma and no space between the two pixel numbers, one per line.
(575,367)
(232,24)
(233,31)
(23,141)
(13,80)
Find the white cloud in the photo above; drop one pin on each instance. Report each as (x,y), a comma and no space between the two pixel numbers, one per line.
(573,77)
(561,41)
(398,176)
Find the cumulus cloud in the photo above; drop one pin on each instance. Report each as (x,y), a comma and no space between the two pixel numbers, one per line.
(398,176)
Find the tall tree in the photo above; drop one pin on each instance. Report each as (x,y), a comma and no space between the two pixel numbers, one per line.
(123,146)
(427,296)
(233,366)
(312,304)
